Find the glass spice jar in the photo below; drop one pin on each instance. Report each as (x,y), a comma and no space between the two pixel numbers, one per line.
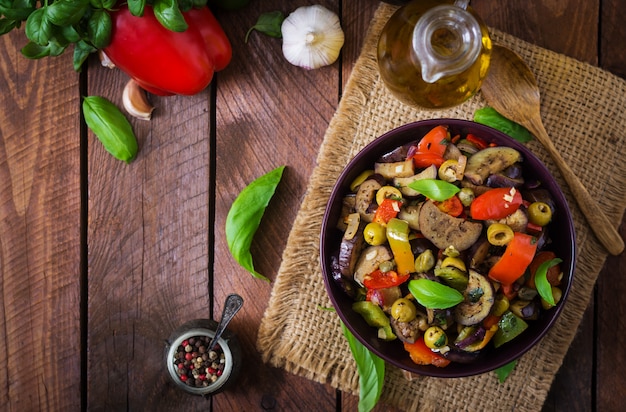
(434,53)
(194,367)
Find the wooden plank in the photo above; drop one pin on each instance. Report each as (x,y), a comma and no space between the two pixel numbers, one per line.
(39,231)
(268,113)
(611,286)
(148,250)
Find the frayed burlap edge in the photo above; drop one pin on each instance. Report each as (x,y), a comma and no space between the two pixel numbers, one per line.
(294,322)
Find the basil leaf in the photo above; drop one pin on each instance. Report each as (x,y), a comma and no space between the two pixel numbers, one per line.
(169,15)
(99,28)
(503,372)
(371,371)
(110,127)
(490,117)
(434,189)
(245,215)
(36,51)
(541,280)
(268,23)
(7,25)
(66,12)
(136,7)
(434,295)
(82,50)
(38,27)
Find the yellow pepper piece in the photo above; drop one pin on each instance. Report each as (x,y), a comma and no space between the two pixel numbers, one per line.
(398,238)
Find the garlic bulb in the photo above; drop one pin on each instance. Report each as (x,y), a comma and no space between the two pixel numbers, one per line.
(312,37)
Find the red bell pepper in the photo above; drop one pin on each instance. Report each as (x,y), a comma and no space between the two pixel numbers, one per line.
(496,203)
(380,280)
(165,62)
(517,256)
(422,355)
(387,210)
(430,150)
(451,206)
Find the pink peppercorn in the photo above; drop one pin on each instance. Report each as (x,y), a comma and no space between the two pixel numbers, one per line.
(219,372)
(188,356)
(183,378)
(180,366)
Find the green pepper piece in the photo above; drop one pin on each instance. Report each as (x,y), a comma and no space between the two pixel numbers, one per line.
(374,316)
(453,277)
(509,327)
(398,238)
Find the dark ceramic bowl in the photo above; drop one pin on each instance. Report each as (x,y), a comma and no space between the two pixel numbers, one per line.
(561,229)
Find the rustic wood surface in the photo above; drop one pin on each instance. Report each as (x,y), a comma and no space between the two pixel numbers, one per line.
(100,260)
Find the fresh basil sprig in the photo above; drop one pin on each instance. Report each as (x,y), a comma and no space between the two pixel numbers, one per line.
(268,23)
(371,371)
(434,295)
(504,371)
(490,117)
(244,217)
(435,189)
(541,280)
(110,127)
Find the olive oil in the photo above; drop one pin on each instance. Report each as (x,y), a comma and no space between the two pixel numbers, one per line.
(433,54)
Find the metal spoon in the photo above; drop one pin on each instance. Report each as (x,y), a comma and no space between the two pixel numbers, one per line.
(512,90)
(232,305)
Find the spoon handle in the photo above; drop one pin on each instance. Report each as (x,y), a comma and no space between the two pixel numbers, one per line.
(232,305)
(604,229)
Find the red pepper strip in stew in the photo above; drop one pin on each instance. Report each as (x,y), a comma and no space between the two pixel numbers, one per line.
(431,148)
(518,254)
(379,279)
(387,210)
(451,206)
(496,204)
(422,355)
(476,141)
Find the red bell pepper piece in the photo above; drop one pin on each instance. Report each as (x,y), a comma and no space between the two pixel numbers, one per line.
(496,203)
(517,256)
(451,206)
(165,62)
(430,149)
(476,141)
(387,210)
(422,355)
(380,280)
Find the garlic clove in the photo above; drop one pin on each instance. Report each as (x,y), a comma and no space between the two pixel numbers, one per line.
(104,60)
(312,37)
(136,102)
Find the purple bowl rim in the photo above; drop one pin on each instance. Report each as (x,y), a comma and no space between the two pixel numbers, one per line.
(461,370)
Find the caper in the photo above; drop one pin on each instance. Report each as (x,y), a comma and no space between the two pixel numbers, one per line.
(375,234)
(539,213)
(466,196)
(435,337)
(425,261)
(403,310)
(386,266)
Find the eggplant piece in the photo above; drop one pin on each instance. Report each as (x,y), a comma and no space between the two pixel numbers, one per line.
(479,299)
(365,196)
(398,154)
(469,335)
(396,169)
(479,252)
(409,331)
(411,215)
(346,284)
(350,250)
(525,309)
(402,183)
(440,317)
(490,161)
(369,260)
(444,230)
(501,180)
(461,356)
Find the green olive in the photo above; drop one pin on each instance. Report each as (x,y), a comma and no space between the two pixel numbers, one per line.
(425,261)
(403,310)
(539,213)
(499,234)
(375,234)
(386,266)
(388,192)
(447,171)
(466,196)
(435,337)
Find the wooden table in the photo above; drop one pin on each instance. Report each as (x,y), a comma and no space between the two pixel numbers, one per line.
(100,260)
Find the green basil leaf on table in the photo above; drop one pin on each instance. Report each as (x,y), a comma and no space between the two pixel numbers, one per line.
(244,217)
(504,371)
(490,117)
(110,127)
(434,295)
(269,24)
(169,15)
(38,28)
(35,51)
(99,28)
(82,50)
(434,189)
(541,280)
(66,12)
(371,371)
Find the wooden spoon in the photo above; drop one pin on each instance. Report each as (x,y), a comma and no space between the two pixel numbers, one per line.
(512,90)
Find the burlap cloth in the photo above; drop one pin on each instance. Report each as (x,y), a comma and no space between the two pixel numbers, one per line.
(583,111)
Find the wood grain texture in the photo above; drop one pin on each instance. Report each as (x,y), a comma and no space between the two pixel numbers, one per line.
(39,231)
